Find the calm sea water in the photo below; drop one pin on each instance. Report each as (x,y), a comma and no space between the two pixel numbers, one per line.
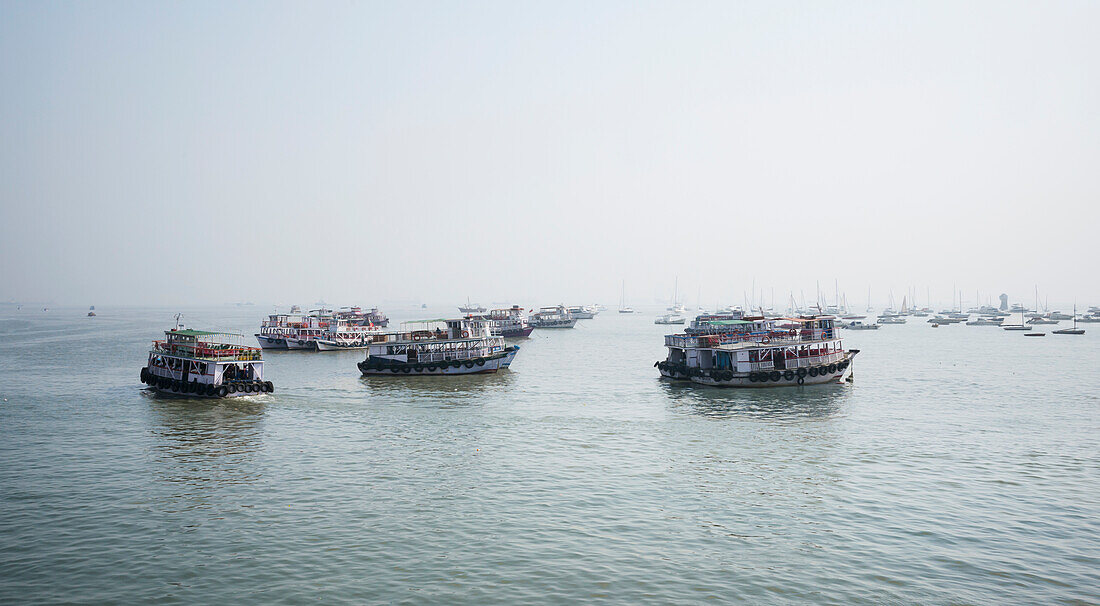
(962,466)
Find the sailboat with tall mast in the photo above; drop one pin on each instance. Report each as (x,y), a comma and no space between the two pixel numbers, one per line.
(676,307)
(1071,331)
(623,309)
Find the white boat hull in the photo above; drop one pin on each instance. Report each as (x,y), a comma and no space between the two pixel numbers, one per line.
(271,342)
(324,345)
(292,343)
(555,324)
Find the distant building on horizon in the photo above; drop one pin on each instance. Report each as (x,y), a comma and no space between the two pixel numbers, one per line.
(1004,302)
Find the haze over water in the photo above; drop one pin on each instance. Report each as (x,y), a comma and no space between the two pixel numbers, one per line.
(960,467)
(192,153)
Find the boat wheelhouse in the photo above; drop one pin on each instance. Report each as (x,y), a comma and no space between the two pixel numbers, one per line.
(355,316)
(508,323)
(556,316)
(438,347)
(205,364)
(758,352)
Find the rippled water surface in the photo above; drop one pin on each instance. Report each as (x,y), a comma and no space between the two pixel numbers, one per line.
(961,466)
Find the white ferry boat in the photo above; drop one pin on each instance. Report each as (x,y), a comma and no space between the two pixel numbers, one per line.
(758,352)
(553,317)
(340,336)
(583,312)
(438,347)
(205,364)
(508,323)
(277,328)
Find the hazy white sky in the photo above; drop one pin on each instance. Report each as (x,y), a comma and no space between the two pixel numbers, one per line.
(155,152)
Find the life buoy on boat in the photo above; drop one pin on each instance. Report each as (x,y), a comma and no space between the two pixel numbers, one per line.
(793,332)
(765,340)
(465,334)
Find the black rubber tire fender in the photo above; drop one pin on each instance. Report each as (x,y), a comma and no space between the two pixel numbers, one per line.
(801,380)
(774,375)
(406,369)
(801,372)
(269,387)
(752,377)
(144,374)
(469,364)
(481,362)
(223,391)
(832,368)
(813,371)
(788,374)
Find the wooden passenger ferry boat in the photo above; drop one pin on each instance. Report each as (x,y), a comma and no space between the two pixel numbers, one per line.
(731,351)
(508,323)
(556,316)
(321,329)
(438,347)
(205,364)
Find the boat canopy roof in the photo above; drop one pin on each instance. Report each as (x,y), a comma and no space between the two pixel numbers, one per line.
(727,322)
(187,332)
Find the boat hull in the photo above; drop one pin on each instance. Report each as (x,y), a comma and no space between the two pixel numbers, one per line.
(271,342)
(292,343)
(198,389)
(555,324)
(517,333)
(323,345)
(452,367)
(839,372)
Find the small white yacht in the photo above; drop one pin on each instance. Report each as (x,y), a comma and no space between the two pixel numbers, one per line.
(670,319)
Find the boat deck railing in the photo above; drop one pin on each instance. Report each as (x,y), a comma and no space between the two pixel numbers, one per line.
(793,363)
(753,339)
(461,354)
(209,351)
